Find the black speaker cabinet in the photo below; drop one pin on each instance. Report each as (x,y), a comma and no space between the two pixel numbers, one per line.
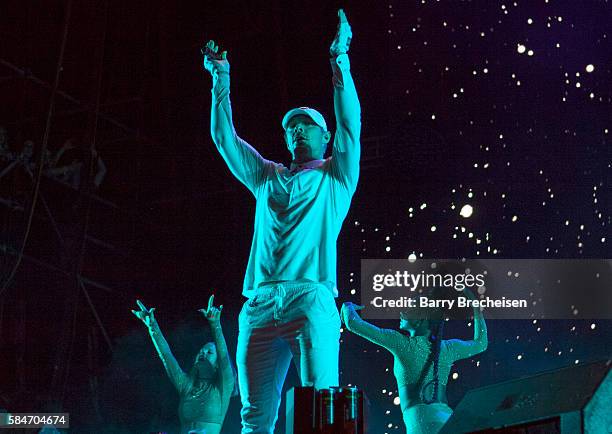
(328,411)
(572,400)
(300,410)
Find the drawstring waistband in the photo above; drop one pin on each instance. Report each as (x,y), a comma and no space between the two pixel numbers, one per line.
(267,290)
(279,293)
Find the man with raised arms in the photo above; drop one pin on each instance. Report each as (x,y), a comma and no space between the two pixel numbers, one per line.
(290,281)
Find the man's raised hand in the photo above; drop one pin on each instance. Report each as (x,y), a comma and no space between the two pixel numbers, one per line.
(212,313)
(340,44)
(144,314)
(215,62)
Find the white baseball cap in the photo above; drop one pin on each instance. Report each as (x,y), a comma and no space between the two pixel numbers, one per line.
(307,111)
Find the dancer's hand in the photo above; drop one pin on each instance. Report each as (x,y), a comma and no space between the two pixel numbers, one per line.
(144,314)
(342,40)
(215,62)
(469,294)
(352,306)
(349,308)
(472,296)
(212,313)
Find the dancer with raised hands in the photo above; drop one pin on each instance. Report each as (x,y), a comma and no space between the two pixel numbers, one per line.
(206,390)
(422,362)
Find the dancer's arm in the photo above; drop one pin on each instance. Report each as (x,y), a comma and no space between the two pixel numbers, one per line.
(386,338)
(177,376)
(213,315)
(464,349)
(243,160)
(347,148)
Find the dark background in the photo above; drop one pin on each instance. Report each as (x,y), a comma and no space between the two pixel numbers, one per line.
(169,225)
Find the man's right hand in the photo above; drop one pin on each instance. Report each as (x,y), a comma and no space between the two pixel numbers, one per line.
(144,314)
(215,62)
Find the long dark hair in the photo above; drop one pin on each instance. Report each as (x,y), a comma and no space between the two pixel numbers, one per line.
(435,337)
(235,391)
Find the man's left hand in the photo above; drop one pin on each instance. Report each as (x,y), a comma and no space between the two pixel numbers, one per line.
(340,44)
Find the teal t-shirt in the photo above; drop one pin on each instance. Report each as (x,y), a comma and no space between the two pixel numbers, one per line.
(298,219)
(299,212)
